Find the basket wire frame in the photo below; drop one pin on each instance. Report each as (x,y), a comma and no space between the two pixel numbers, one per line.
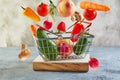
(46,49)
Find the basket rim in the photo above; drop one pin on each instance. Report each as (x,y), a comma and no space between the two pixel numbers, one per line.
(54,38)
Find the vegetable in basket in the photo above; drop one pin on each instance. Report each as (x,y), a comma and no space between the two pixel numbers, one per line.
(47,47)
(65,47)
(80,46)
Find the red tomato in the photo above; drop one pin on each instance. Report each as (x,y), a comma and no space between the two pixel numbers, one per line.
(90,14)
(43,9)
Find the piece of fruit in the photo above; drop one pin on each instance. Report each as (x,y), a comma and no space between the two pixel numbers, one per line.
(47,24)
(77,28)
(90,14)
(28,12)
(61,27)
(93,5)
(65,8)
(43,9)
(93,63)
(65,47)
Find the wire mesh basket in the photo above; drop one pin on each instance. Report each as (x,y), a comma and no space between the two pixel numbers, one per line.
(63,48)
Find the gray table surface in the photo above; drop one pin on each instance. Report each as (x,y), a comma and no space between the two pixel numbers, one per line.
(13,69)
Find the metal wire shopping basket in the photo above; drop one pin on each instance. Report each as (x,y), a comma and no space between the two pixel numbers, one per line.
(75,50)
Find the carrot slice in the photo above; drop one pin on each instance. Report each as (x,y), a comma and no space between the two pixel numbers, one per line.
(94,6)
(33,30)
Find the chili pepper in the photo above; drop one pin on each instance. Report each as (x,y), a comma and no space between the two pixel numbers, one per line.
(28,12)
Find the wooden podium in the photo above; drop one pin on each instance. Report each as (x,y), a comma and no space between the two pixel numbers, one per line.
(74,65)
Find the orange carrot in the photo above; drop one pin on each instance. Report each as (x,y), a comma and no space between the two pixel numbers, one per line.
(94,6)
(33,30)
(28,12)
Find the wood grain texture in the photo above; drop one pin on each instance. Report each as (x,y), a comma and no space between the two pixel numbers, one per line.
(75,65)
(67,66)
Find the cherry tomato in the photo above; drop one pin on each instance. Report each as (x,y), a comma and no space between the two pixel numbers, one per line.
(43,9)
(90,14)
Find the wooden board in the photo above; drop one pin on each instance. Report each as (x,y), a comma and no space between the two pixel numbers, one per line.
(77,65)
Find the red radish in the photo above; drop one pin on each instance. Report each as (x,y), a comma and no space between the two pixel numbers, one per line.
(47,24)
(61,26)
(93,63)
(63,48)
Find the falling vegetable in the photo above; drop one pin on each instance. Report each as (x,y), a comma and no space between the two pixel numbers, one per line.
(33,30)
(94,6)
(47,24)
(61,27)
(90,14)
(94,63)
(43,9)
(28,12)
(77,29)
(53,10)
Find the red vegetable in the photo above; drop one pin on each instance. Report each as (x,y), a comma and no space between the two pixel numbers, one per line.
(43,9)
(76,32)
(65,47)
(74,38)
(61,27)
(90,14)
(94,63)
(77,28)
(47,24)
(33,30)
